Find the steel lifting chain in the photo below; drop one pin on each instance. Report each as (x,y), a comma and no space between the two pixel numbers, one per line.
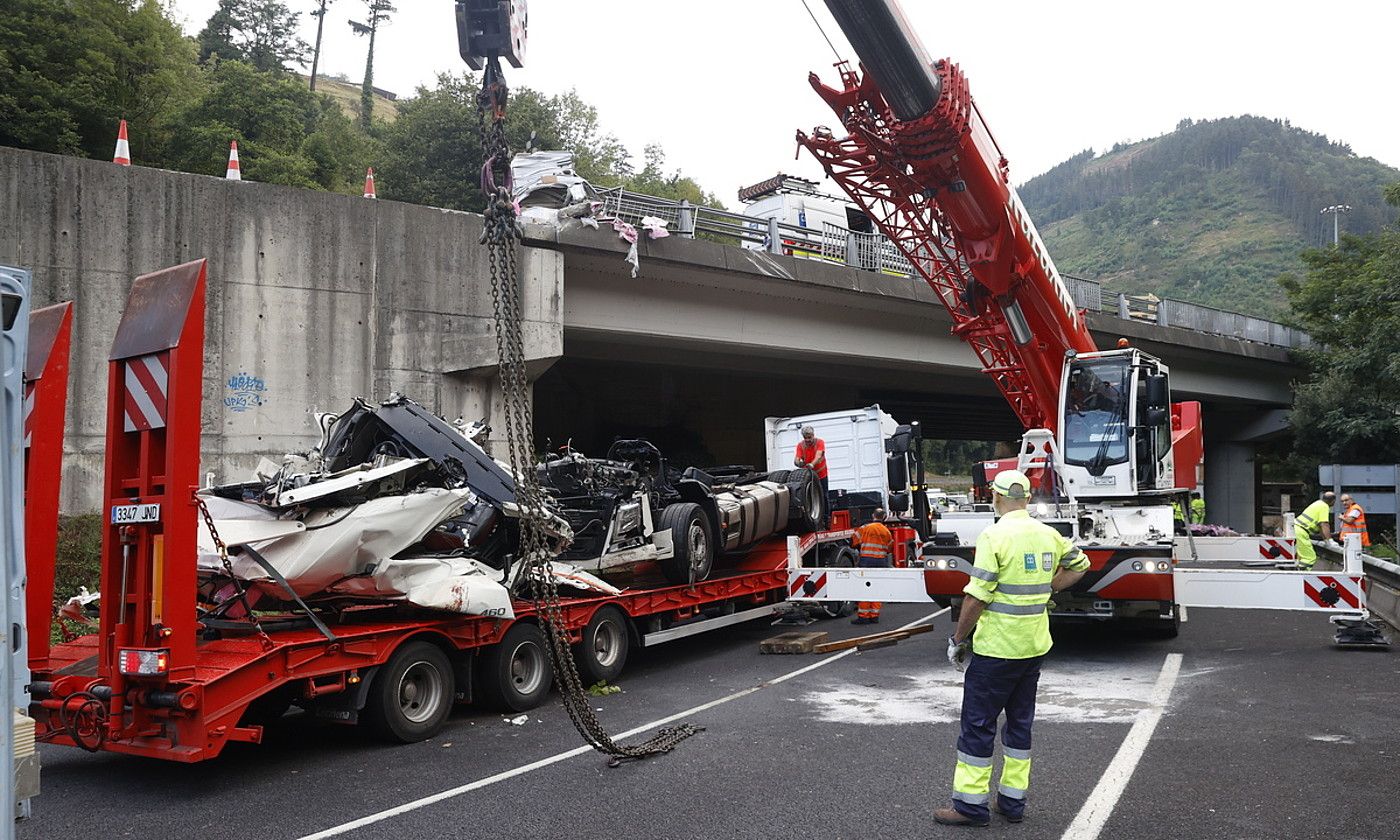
(239,592)
(501,235)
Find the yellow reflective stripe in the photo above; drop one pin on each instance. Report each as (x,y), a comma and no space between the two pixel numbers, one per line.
(974,760)
(1025,588)
(1016,774)
(1016,609)
(971,781)
(1011,792)
(1024,755)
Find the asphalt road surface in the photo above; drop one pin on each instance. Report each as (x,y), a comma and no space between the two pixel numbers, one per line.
(1249,725)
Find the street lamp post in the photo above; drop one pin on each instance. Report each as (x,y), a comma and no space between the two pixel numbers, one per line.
(1336,210)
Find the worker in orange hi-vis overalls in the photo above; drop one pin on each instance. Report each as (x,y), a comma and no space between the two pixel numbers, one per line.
(876,546)
(1353,521)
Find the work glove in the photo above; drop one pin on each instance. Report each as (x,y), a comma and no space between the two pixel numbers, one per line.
(958,653)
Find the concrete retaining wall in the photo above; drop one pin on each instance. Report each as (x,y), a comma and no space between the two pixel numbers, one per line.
(313,298)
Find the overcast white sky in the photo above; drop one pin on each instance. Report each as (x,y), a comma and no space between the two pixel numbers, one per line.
(722,84)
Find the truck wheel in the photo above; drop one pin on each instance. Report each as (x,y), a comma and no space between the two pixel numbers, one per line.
(603,652)
(412,695)
(845,558)
(514,674)
(693,550)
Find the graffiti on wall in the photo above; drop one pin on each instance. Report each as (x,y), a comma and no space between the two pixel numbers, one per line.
(243,391)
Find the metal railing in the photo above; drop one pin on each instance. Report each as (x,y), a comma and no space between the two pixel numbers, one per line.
(873,252)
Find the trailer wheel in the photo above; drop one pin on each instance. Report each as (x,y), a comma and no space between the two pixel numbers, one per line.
(514,674)
(844,557)
(412,695)
(606,642)
(693,549)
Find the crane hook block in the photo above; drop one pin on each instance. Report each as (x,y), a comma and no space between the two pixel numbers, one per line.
(491,28)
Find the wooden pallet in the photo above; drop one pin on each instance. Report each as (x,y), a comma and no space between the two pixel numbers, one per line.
(796,641)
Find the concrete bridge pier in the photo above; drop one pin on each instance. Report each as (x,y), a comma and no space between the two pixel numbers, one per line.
(1232,472)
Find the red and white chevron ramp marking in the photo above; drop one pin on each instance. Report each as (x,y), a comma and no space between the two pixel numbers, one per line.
(147,384)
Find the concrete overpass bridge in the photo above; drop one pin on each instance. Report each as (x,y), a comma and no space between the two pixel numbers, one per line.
(316,298)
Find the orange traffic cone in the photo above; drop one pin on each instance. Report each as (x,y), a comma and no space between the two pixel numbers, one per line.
(122,155)
(233,173)
(369,183)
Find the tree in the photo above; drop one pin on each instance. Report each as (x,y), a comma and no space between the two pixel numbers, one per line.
(379,11)
(320,15)
(432,151)
(262,33)
(654,180)
(1347,410)
(286,134)
(69,70)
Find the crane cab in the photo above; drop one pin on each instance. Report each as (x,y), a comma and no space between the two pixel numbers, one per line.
(1115,433)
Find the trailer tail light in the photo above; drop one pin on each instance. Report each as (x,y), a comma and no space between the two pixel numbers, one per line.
(144,663)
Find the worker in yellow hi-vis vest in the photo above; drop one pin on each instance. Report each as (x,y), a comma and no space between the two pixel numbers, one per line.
(1315,521)
(1002,636)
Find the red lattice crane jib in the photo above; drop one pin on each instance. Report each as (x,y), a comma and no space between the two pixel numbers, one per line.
(937,185)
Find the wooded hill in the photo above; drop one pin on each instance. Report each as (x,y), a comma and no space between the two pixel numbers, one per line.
(1212,213)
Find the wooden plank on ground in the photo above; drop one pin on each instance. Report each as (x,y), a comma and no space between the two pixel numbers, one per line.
(795,641)
(858,641)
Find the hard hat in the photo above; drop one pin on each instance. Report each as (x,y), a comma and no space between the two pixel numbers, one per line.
(1012,484)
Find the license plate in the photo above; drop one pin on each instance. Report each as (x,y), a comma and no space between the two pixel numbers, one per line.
(135,514)
(1102,480)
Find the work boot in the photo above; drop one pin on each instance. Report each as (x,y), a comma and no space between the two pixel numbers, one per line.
(996,806)
(950,816)
(862,620)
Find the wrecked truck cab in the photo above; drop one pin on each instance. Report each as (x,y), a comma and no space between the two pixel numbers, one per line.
(395,504)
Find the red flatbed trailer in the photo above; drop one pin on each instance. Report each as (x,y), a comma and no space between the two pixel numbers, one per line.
(193,719)
(158,680)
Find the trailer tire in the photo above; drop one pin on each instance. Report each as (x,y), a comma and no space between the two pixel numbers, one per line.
(607,639)
(845,558)
(412,694)
(514,675)
(693,546)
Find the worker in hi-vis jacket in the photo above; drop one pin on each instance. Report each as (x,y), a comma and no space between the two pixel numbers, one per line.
(1002,636)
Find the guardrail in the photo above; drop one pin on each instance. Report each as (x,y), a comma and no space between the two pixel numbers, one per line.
(873,252)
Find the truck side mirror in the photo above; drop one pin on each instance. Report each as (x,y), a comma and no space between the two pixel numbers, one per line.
(899,502)
(900,442)
(897,473)
(1156,416)
(1157,396)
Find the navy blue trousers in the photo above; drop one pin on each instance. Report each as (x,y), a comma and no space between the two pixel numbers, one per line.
(992,686)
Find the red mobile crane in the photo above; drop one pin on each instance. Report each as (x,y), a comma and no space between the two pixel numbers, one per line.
(1109,446)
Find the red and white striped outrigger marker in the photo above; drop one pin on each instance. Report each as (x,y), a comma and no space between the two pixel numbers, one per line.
(807,584)
(122,155)
(233,173)
(147,384)
(1336,591)
(1279,550)
(369,183)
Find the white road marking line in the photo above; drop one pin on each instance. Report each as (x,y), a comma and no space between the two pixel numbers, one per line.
(1099,806)
(1181,610)
(425,801)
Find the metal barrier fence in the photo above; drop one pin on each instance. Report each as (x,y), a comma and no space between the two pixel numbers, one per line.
(873,252)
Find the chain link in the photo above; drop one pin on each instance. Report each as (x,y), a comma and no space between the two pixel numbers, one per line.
(240,593)
(501,235)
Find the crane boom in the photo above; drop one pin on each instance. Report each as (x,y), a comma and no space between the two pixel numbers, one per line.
(919,159)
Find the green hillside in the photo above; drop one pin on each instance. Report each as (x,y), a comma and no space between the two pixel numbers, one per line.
(1212,212)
